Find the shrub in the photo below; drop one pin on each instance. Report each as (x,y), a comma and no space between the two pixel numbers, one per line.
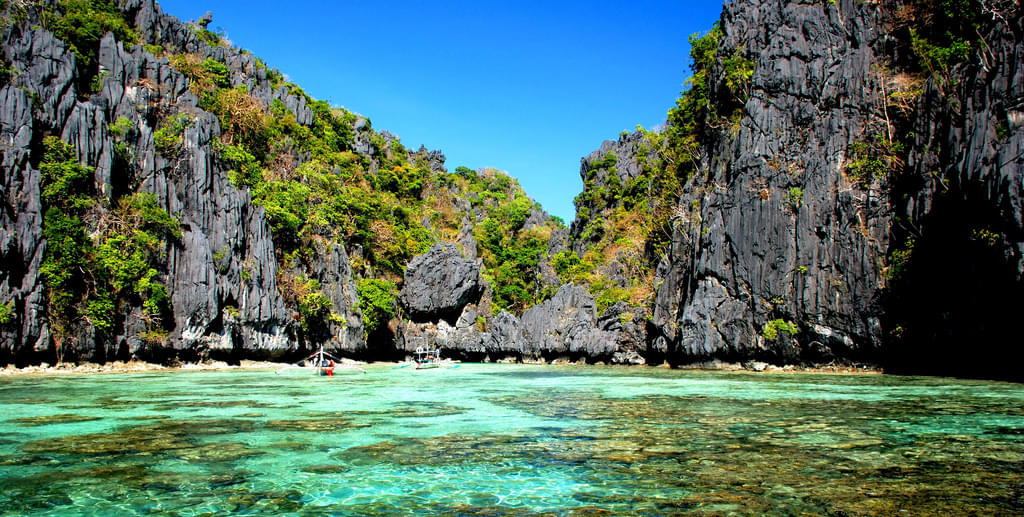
(694,106)
(942,32)
(241,117)
(96,83)
(794,198)
(142,211)
(66,183)
(936,58)
(82,24)
(899,259)
(511,253)
(65,187)
(870,161)
(314,306)
(122,128)
(6,71)
(566,264)
(286,205)
(127,252)
(218,73)
(245,170)
(771,329)
(66,250)
(204,34)
(89,273)
(737,71)
(6,312)
(606,162)
(377,302)
(168,139)
(607,294)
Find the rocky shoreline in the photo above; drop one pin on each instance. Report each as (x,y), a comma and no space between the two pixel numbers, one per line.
(133,367)
(146,367)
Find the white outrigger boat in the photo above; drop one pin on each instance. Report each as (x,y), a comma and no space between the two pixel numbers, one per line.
(427,358)
(322,364)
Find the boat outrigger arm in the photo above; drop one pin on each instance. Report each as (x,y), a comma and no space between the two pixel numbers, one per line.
(323,363)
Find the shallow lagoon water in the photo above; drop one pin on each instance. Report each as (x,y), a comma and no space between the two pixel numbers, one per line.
(509,440)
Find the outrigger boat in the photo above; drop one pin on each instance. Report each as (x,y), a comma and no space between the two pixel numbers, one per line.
(322,364)
(431,358)
(427,358)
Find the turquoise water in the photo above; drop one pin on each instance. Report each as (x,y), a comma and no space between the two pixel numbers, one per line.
(509,440)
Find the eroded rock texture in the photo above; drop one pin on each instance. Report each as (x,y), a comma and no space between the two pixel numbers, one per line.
(758,253)
(959,214)
(774,248)
(439,284)
(903,269)
(221,275)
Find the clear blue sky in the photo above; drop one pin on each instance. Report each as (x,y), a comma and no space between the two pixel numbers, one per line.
(526,87)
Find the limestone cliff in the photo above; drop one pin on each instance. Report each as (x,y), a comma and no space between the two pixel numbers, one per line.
(223,234)
(852,201)
(840,183)
(276,207)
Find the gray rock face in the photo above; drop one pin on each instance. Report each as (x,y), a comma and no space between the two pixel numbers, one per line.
(40,97)
(438,284)
(959,214)
(597,171)
(825,263)
(221,275)
(752,258)
(21,244)
(462,339)
(334,273)
(628,327)
(225,261)
(566,325)
(772,227)
(504,337)
(432,159)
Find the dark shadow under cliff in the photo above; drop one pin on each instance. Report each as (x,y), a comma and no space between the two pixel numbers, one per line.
(955,306)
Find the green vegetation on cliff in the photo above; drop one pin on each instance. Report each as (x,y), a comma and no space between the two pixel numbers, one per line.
(98,257)
(317,187)
(511,252)
(82,24)
(377,302)
(942,33)
(322,175)
(626,224)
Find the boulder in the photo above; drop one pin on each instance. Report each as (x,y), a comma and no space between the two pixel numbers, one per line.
(566,324)
(439,284)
